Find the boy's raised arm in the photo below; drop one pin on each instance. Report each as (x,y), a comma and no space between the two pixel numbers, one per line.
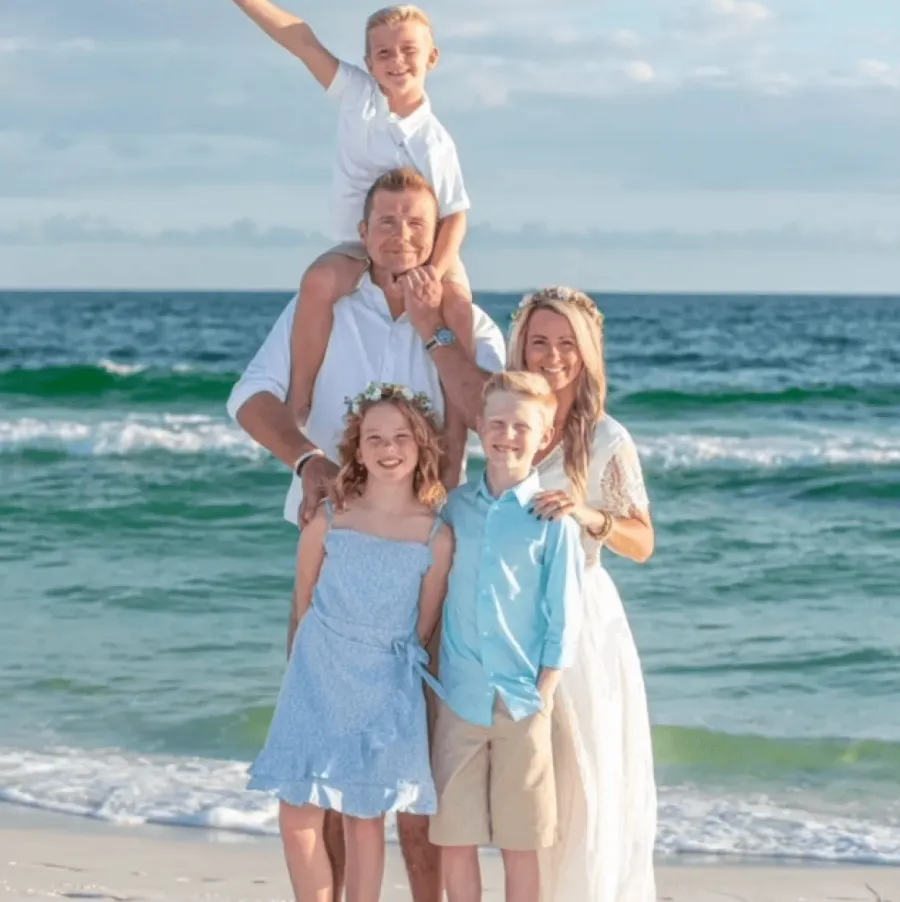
(294,35)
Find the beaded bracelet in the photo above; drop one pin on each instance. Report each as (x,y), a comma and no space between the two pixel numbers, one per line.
(599,535)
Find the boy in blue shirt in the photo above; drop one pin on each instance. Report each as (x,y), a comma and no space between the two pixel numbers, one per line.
(510,626)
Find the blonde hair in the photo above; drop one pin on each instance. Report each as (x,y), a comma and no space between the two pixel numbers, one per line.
(352,476)
(397,15)
(397,181)
(589,406)
(530,387)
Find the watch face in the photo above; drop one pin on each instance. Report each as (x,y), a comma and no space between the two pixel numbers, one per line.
(444,336)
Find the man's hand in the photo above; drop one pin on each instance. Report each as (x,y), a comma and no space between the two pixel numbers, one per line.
(317,477)
(422,297)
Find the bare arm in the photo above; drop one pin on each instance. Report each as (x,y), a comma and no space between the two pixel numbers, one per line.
(450,235)
(619,503)
(294,35)
(632,537)
(624,498)
(547,682)
(269,422)
(461,377)
(434,585)
(310,554)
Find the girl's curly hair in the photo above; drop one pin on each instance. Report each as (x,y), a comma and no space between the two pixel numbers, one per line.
(351,478)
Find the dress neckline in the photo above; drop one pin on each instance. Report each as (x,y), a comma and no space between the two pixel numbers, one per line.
(554,452)
(372,535)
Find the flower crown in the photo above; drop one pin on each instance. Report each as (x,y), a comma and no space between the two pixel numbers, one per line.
(564,295)
(386,391)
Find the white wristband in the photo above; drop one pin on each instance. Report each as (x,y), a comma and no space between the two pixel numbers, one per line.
(303,458)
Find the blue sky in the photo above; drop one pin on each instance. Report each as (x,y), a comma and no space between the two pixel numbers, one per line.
(639,145)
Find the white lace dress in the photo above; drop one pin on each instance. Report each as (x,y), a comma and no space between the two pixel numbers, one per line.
(604,757)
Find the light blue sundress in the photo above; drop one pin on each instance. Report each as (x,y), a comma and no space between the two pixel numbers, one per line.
(349,731)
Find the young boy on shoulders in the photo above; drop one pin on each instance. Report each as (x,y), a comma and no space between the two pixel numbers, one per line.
(510,627)
(385,122)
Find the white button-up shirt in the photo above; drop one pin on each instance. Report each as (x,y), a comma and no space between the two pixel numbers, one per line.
(367,345)
(372,140)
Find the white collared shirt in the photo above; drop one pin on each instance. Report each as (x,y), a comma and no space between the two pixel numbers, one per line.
(367,345)
(372,140)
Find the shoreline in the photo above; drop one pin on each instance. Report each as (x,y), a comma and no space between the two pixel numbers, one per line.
(48,855)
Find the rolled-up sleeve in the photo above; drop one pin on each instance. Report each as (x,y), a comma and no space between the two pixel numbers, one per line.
(270,369)
(490,349)
(563,593)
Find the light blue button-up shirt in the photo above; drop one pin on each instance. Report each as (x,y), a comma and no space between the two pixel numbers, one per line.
(514,603)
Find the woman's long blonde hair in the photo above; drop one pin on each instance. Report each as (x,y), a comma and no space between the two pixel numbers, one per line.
(589,406)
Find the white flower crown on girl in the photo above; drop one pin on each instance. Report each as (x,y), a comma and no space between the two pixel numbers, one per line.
(385,391)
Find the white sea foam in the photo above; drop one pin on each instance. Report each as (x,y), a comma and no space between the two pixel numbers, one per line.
(702,451)
(134,789)
(120,369)
(770,451)
(203,434)
(134,434)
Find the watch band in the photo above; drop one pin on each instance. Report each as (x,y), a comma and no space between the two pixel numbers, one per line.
(441,339)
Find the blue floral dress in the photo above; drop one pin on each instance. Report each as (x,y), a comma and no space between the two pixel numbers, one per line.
(349,731)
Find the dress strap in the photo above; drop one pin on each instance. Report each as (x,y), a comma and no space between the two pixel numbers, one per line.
(328,504)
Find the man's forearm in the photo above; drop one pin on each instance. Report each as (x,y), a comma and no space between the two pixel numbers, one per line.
(462,379)
(268,421)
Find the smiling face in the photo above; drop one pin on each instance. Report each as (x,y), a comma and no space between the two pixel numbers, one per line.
(552,350)
(399,57)
(387,445)
(513,429)
(400,229)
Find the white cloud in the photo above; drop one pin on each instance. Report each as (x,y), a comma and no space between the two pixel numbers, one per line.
(78,45)
(880,73)
(13,45)
(716,21)
(626,39)
(640,71)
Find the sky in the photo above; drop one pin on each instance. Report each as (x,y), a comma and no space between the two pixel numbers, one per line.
(620,145)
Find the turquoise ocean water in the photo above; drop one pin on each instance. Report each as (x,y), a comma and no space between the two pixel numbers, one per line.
(145,570)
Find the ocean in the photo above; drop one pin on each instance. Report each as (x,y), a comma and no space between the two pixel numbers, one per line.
(146,570)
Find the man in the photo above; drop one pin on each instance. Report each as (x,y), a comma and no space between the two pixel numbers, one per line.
(390,329)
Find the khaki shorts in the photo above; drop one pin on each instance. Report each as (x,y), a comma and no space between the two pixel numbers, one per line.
(496,785)
(356,250)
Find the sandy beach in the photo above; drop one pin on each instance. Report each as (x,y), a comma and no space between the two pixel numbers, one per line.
(49,856)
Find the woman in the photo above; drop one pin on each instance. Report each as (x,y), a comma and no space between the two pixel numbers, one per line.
(607,794)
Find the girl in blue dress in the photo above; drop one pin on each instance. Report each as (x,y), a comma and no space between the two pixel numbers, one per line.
(349,731)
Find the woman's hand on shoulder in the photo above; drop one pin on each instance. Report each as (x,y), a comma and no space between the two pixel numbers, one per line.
(554,504)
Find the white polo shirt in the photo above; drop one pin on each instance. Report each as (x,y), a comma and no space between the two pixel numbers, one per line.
(367,345)
(372,140)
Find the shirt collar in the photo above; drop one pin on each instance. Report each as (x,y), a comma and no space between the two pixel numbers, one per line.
(406,124)
(523,492)
(374,298)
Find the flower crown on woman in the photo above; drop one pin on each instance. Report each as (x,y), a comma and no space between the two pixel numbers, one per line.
(389,391)
(564,295)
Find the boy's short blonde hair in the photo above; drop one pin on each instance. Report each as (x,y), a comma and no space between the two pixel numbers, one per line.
(531,387)
(396,15)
